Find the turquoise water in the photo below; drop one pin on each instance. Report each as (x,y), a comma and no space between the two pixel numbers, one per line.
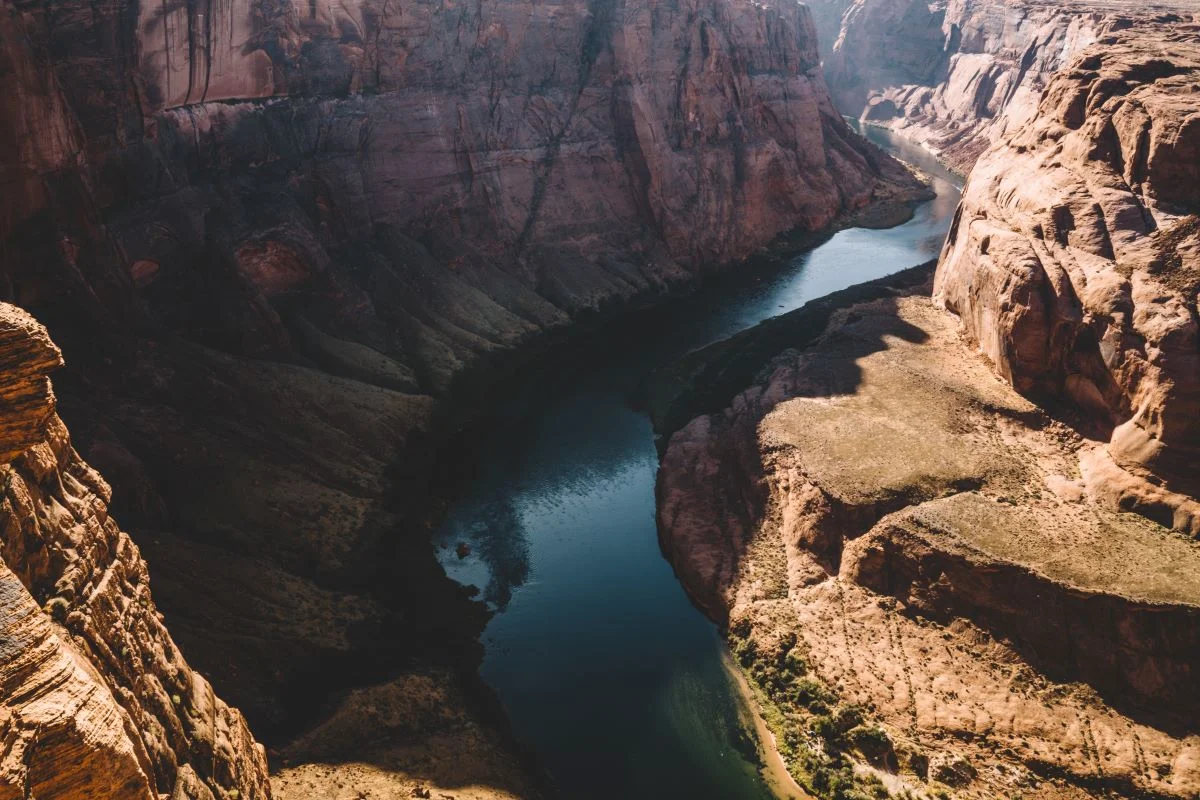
(604,667)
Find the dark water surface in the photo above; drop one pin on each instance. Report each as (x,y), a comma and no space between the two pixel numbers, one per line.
(604,667)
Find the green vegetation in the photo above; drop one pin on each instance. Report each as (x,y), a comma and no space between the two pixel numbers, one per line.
(815,731)
(874,744)
(57,608)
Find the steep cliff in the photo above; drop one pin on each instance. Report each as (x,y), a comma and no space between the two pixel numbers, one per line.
(961,548)
(903,554)
(958,75)
(1073,262)
(98,702)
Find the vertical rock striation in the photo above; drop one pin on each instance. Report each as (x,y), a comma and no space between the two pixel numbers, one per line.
(98,702)
(558,157)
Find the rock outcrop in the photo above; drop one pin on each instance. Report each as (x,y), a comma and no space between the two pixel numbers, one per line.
(962,550)
(1074,262)
(959,75)
(97,700)
(904,555)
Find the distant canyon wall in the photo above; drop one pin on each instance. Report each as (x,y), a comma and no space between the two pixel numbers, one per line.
(957,75)
(557,156)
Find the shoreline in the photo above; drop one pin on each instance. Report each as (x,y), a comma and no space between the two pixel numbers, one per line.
(772,767)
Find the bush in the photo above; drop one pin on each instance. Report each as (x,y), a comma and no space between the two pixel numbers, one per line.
(847,717)
(841,783)
(57,608)
(823,726)
(873,743)
(745,651)
(795,663)
(813,696)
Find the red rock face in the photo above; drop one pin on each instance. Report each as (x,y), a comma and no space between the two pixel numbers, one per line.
(98,700)
(959,75)
(1073,259)
(881,521)
(590,151)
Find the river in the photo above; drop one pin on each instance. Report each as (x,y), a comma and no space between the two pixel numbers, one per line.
(606,670)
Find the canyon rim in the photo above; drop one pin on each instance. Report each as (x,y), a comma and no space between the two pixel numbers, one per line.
(268,267)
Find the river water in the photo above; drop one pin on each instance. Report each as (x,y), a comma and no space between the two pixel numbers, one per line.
(606,670)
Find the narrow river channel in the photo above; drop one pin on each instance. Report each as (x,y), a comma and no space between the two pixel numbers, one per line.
(606,670)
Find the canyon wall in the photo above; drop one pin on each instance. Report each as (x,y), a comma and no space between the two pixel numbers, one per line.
(98,702)
(955,543)
(555,157)
(1073,262)
(284,244)
(957,75)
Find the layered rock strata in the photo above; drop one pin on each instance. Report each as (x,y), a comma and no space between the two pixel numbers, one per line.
(907,562)
(1074,263)
(959,75)
(97,700)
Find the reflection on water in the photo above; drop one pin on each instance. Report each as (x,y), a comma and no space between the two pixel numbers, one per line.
(602,664)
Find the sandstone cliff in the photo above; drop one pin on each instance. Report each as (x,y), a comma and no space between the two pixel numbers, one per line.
(98,702)
(960,551)
(957,75)
(1073,263)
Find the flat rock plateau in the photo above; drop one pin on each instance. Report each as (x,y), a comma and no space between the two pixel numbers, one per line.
(953,535)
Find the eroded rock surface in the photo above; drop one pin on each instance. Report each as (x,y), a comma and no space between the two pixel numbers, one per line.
(958,75)
(957,551)
(97,700)
(910,568)
(1074,262)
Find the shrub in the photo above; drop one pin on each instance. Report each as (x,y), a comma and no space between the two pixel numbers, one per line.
(745,651)
(57,608)
(841,783)
(813,696)
(873,743)
(823,726)
(847,717)
(795,663)
(740,629)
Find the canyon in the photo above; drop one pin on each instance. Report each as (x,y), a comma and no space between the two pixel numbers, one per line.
(950,526)
(293,252)
(286,247)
